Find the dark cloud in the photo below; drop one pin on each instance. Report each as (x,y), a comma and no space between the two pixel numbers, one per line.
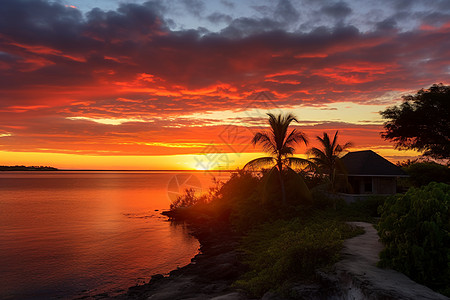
(128,63)
(337,10)
(219,18)
(264,10)
(444,5)
(40,22)
(436,19)
(244,27)
(227,3)
(402,4)
(387,24)
(195,7)
(286,12)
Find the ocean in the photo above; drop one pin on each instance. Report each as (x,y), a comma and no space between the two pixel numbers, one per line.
(69,234)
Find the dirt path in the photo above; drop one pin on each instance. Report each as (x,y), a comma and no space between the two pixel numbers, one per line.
(358,273)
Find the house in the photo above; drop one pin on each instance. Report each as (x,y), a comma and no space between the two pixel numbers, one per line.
(369,174)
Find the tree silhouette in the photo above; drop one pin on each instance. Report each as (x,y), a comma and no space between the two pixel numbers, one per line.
(279,143)
(421,122)
(327,159)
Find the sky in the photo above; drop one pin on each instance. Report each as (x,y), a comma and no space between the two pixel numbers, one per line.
(185,84)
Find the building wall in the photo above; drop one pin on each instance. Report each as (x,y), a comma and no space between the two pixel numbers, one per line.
(384,185)
(372,185)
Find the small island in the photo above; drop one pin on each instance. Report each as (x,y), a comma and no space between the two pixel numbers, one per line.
(27,168)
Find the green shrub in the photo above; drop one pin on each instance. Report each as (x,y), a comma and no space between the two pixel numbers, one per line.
(422,173)
(250,212)
(187,199)
(415,228)
(264,203)
(285,250)
(366,209)
(323,199)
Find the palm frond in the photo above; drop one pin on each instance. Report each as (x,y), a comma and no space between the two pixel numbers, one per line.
(259,163)
(265,140)
(294,162)
(296,136)
(340,167)
(347,145)
(286,151)
(317,153)
(279,125)
(334,143)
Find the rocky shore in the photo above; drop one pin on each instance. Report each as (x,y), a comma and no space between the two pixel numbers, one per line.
(211,273)
(208,276)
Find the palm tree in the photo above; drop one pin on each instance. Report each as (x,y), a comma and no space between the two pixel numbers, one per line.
(328,158)
(279,143)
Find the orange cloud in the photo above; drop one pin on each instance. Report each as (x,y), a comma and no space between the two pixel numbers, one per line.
(110,83)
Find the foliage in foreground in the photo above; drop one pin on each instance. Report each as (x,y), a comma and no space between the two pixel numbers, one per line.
(284,242)
(415,228)
(422,173)
(245,200)
(287,250)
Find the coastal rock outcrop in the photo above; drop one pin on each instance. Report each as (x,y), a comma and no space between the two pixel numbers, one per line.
(208,276)
(212,271)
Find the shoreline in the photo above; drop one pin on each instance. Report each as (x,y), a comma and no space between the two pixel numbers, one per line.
(209,274)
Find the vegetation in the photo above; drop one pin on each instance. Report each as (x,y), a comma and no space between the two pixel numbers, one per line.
(286,241)
(328,161)
(415,227)
(281,252)
(422,173)
(421,122)
(283,240)
(222,202)
(328,158)
(280,145)
(367,210)
(26,168)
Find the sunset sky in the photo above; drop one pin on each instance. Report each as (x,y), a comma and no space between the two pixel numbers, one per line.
(184,84)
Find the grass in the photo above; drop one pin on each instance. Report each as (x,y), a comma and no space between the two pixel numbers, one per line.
(283,244)
(285,251)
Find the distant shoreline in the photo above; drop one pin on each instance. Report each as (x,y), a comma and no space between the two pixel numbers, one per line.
(27,168)
(14,168)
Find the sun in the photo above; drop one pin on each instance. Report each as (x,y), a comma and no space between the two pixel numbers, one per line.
(201,168)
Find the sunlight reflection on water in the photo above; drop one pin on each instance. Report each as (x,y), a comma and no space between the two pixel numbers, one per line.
(66,234)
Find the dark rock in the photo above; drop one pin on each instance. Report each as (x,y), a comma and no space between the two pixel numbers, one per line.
(101,296)
(210,273)
(272,296)
(156,277)
(231,296)
(225,271)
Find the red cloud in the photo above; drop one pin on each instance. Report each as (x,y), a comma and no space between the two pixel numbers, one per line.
(129,64)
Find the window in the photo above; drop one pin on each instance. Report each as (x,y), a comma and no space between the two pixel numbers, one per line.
(367,184)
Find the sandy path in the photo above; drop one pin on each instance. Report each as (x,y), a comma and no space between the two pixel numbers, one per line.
(358,273)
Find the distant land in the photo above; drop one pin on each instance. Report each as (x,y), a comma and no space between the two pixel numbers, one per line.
(27,168)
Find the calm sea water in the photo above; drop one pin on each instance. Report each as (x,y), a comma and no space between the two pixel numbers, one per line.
(70,234)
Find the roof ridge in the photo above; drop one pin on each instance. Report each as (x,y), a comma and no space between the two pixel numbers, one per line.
(368,162)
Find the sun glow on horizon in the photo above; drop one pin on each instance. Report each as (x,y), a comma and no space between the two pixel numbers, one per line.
(118,121)
(117,96)
(198,162)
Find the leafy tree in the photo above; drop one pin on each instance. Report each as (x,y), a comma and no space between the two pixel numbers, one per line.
(422,173)
(415,229)
(421,122)
(328,157)
(279,143)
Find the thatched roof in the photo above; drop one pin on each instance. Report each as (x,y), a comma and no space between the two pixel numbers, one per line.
(368,163)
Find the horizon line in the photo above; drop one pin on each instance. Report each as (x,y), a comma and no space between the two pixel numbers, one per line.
(147,170)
